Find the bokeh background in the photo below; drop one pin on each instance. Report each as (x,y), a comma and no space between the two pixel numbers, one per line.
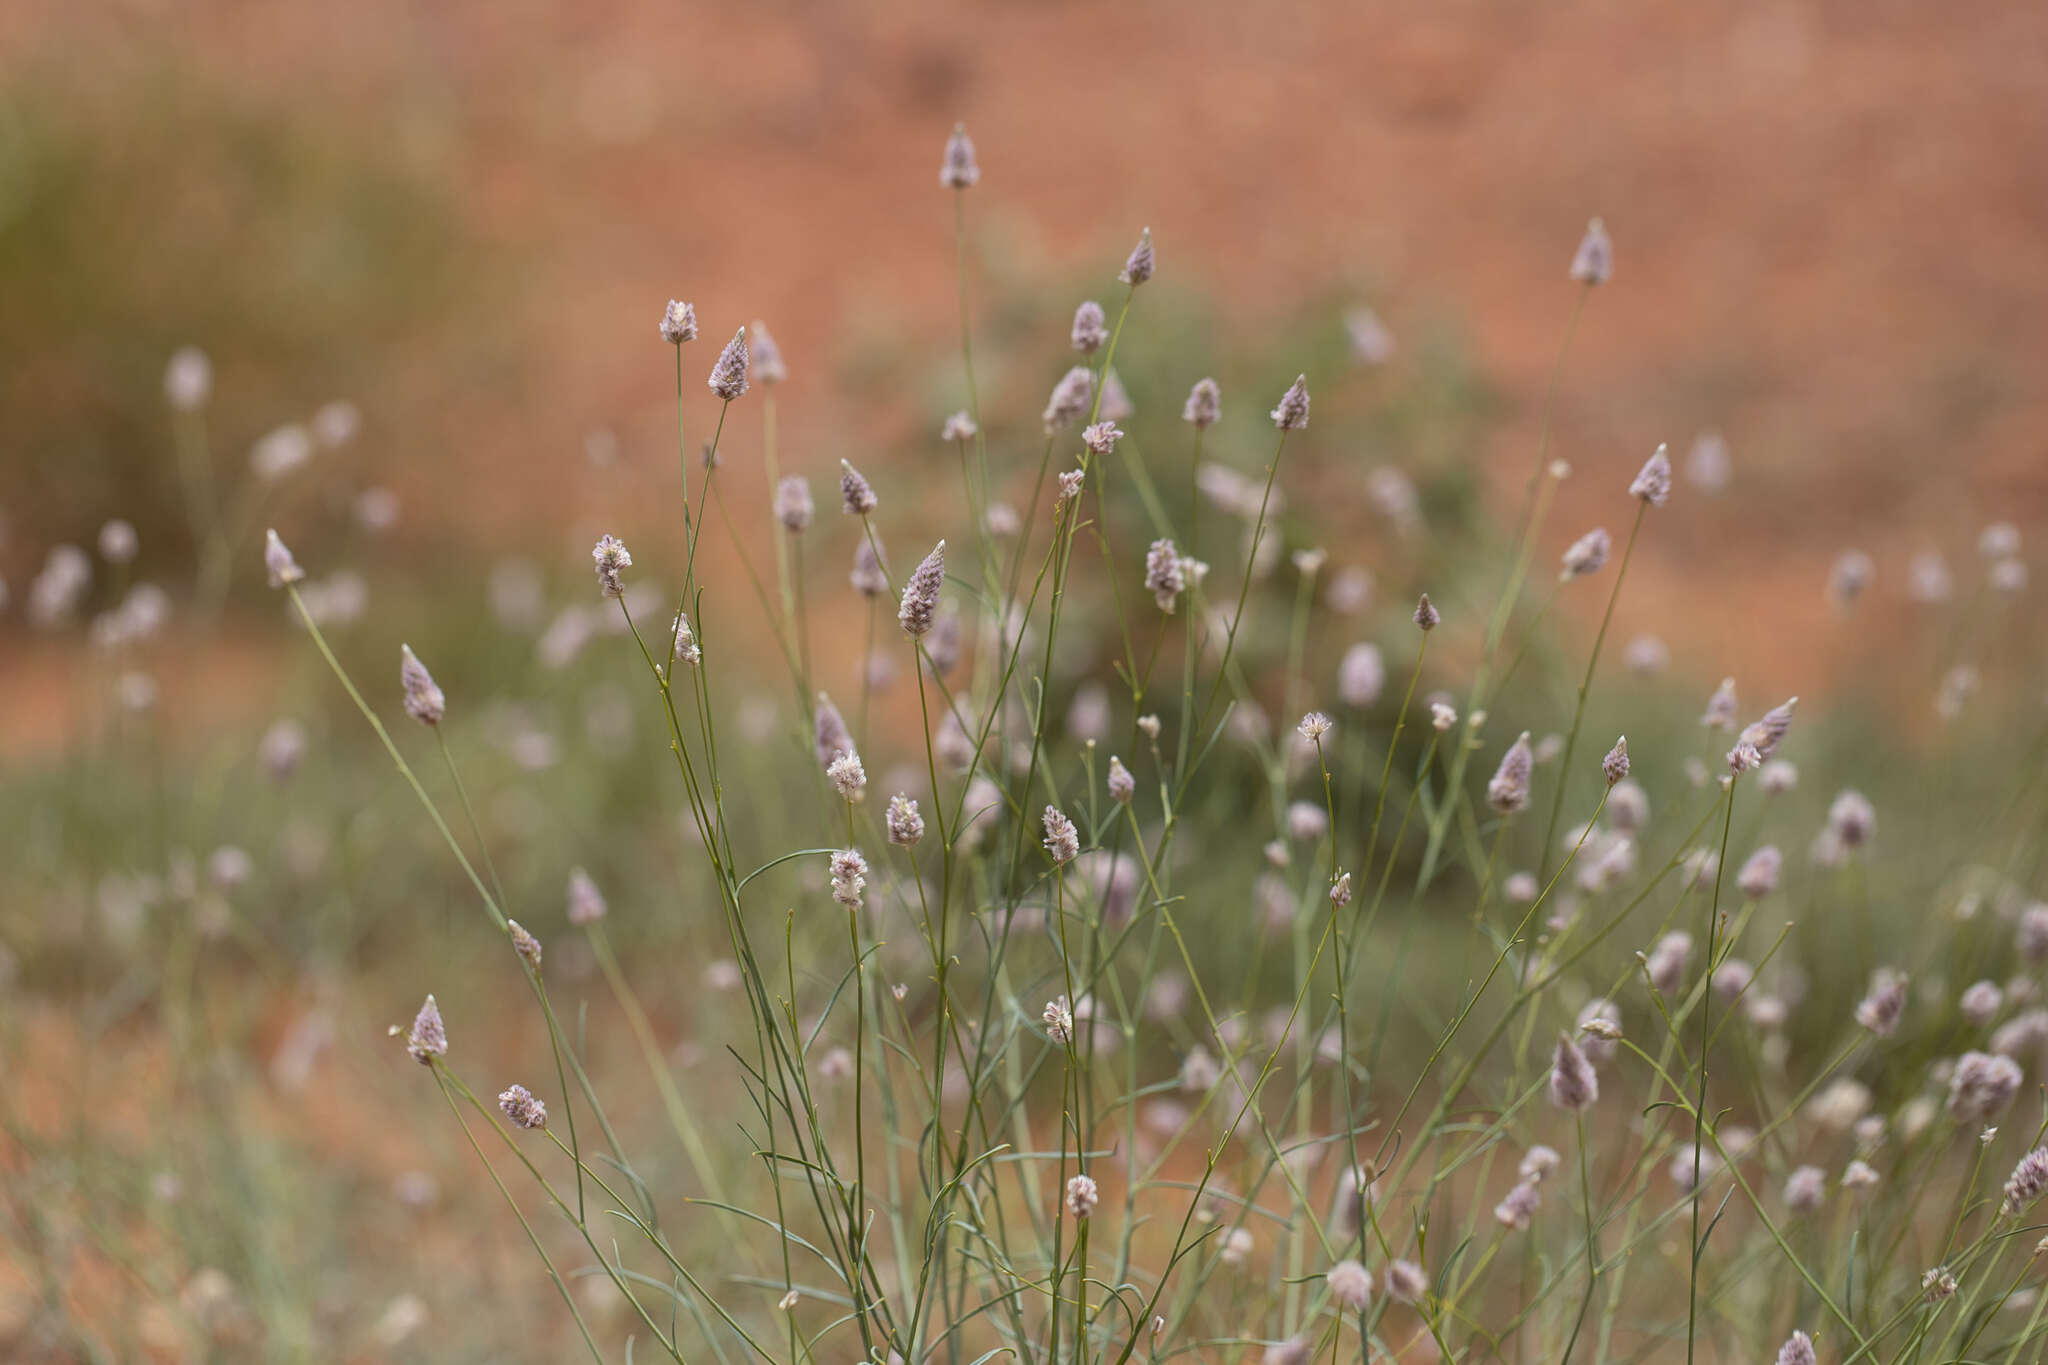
(463,219)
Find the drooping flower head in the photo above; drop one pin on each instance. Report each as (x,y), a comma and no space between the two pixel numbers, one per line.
(729,376)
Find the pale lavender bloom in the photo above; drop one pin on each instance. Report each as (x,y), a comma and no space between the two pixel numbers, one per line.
(1164,573)
(868,577)
(905,821)
(2032,937)
(1426,614)
(1442,716)
(1615,766)
(830,737)
(1806,1189)
(1340,890)
(1082,1196)
(1982,1085)
(2008,576)
(1707,464)
(921,594)
(1062,840)
(942,646)
(1138,265)
(1744,758)
(1371,342)
(1981,1002)
(1879,1011)
(1768,732)
(849,877)
(1407,1282)
(1628,807)
(524,943)
(1999,540)
(1294,1350)
(1538,1162)
(960,169)
(1521,888)
(1928,580)
(278,560)
(767,356)
(729,376)
(1646,654)
(1116,402)
(1204,405)
(1350,1285)
(793,505)
(1653,483)
(118,542)
(1721,708)
(1361,675)
(1758,876)
(610,558)
(1852,819)
(1090,328)
(1859,1175)
(522,1108)
(1070,397)
(959,427)
(1586,555)
(678,322)
(283,748)
(1292,414)
(188,379)
(280,452)
(586,902)
(1573,1084)
(2029,1178)
(1122,786)
(1518,1207)
(423,700)
(1600,1022)
(1314,726)
(1667,962)
(1797,1350)
(1101,438)
(1593,262)
(1851,574)
(1070,485)
(1059,1020)
(1939,1284)
(1777,777)
(848,777)
(1732,978)
(1306,821)
(428,1037)
(1508,791)
(857,497)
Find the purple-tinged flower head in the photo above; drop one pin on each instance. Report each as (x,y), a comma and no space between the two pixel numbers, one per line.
(278,560)
(586,902)
(1538,1162)
(1340,890)
(1508,791)
(1852,819)
(2032,936)
(522,1108)
(1777,777)
(729,376)
(1593,262)
(959,427)
(767,356)
(1292,414)
(1806,1189)
(959,170)
(1859,1175)
(283,749)
(1744,758)
(1314,726)
(428,1037)
(1059,1020)
(1371,341)
(1164,573)
(1062,840)
(1407,1282)
(1361,676)
(423,699)
(1091,329)
(1518,1207)
(2029,1178)
(942,646)
(1350,1285)
(1204,405)
(920,604)
(1138,265)
(1767,732)
(611,560)
(868,577)
(1721,708)
(524,943)
(793,505)
(1426,614)
(1101,438)
(905,821)
(1939,1284)
(1600,1022)
(1653,483)
(1070,486)
(856,496)
(1294,1350)
(829,734)
(1442,716)
(2007,576)
(1070,397)
(1879,1011)
(1614,767)
(1982,1085)
(1628,807)
(1848,578)
(678,322)
(1758,876)
(848,777)
(849,877)
(1667,961)
(1082,1196)
(1797,1350)
(1586,555)
(188,379)
(1980,1003)
(1116,400)
(1573,1085)
(1122,786)
(685,649)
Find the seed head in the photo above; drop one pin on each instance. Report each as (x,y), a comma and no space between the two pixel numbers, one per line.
(848,778)
(1204,405)
(524,943)
(959,427)
(793,505)
(1062,840)
(522,1108)
(1082,1196)
(1101,438)
(1573,1085)
(1164,573)
(1426,614)
(1138,265)
(1615,765)
(849,877)
(729,376)
(278,560)
(1879,1011)
(1508,792)
(1797,1350)
(1090,328)
(1292,414)
(959,170)
(678,322)
(1586,555)
(767,357)
(1070,397)
(610,557)
(1350,1285)
(428,1038)
(1059,1020)
(856,497)
(1122,786)
(586,902)
(1653,483)
(921,594)
(1593,262)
